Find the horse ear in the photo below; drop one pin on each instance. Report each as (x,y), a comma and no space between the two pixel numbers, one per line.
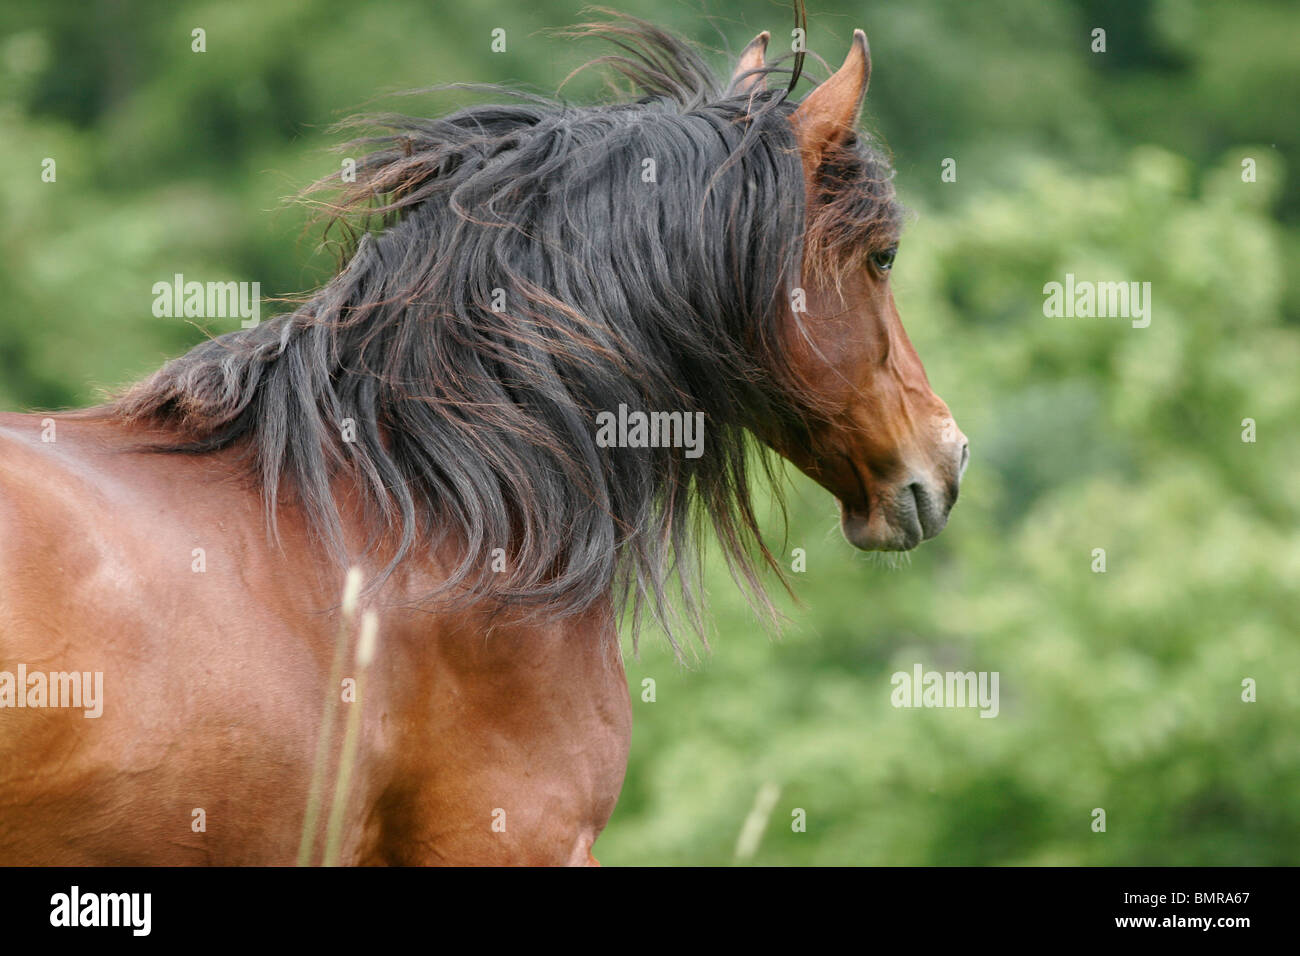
(827,115)
(745,81)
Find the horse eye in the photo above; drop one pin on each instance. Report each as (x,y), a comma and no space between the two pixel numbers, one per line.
(884,260)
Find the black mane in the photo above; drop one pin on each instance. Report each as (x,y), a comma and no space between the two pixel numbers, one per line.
(475,428)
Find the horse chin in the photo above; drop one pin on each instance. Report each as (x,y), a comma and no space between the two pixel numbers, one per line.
(871,531)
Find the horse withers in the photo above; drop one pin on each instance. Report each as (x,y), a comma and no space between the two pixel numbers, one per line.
(428,416)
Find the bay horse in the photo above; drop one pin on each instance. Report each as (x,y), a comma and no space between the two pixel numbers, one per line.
(512,272)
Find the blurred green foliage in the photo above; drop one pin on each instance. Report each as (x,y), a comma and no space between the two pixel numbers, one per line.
(1119,690)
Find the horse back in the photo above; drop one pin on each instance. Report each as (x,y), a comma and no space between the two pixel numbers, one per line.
(215,646)
(126,569)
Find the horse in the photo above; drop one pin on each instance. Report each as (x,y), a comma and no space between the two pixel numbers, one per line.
(427,417)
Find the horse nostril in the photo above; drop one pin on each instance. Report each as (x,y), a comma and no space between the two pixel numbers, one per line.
(965,459)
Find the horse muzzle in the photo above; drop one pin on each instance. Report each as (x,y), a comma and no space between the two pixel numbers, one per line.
(910,512)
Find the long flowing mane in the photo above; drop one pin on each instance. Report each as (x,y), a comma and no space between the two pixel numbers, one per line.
(509,274)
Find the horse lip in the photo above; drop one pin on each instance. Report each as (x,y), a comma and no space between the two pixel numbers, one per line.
(912,522)
(918,509)
(930,518)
